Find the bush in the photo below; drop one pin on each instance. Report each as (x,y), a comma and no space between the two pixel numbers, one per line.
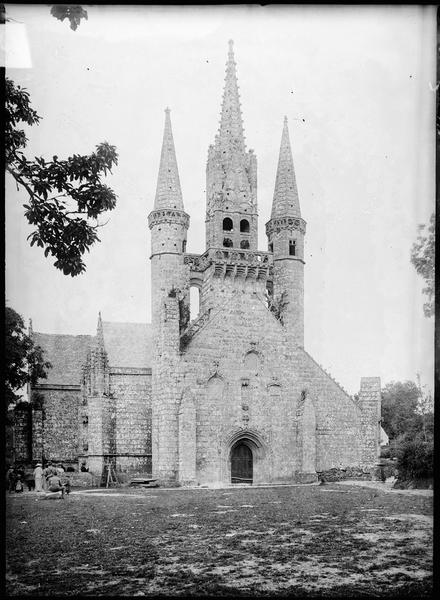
(415,458)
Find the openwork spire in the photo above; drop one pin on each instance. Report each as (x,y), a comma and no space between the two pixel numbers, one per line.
(230,136)
(168,192)
(285,197)
(99,333)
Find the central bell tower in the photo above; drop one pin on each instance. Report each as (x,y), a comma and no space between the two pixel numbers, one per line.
(231,176)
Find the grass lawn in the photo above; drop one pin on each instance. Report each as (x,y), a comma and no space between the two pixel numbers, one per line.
(306,541)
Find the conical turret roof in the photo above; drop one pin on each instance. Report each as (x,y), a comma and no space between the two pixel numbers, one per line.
(285,197)
(168,192)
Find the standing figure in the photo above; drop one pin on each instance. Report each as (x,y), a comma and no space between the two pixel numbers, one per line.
(47,473)
(38,476)
(18,485)
(11,477)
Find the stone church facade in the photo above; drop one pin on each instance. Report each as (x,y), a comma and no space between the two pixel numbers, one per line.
(232,395)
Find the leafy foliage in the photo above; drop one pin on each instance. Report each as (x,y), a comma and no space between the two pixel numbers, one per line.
(399,404)
(277,305)
(66,197)
(408,419)
(415,458)
(24,360)
(423,259)
(73,12)
(184,315)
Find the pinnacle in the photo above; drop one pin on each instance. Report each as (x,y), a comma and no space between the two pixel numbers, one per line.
(99,333)
(285,198)
(231,123)
(168,192)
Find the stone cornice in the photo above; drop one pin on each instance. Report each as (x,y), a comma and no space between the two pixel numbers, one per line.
(57,386)
(290,223)
(168,215)
(252,264)
(130,371)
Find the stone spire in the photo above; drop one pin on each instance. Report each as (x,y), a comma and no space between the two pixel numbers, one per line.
(230,136)
(285,197)
(30,329)
(99,333)
(168,192)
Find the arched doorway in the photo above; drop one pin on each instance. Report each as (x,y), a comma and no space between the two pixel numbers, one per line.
(241,463)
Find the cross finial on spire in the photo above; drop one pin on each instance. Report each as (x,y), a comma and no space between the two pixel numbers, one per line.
(167,110)
(231,48)
(285,120)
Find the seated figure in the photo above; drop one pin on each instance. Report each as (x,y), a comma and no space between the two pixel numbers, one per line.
(55,485)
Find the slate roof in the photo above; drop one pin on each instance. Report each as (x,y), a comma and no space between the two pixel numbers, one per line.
(67,353)
(127,345)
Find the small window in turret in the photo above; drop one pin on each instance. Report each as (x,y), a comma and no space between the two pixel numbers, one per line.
(244,244)
(292,247)
(184,246)
(227,224)
(244,226)
(227,243)
(271,247)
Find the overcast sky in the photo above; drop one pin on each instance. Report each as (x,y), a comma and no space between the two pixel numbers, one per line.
(356,84)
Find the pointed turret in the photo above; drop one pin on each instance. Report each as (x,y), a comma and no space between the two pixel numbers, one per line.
(30,330)
(285,197)
(168,223)
(168,192)
(285,232)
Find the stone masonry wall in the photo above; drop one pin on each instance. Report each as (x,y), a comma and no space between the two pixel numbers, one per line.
(22,433)
(338,427)
(264,402)
(234,366)
(370,405)
(60,423)
(132,392)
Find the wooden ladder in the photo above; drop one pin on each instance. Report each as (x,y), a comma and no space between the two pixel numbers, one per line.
(111,475)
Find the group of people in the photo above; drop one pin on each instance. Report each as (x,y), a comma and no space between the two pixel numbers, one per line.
(50,479)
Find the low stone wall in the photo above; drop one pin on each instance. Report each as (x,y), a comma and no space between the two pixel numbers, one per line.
(346,473)
(82,480)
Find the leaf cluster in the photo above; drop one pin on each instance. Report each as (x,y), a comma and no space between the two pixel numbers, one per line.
(277,305)
(66,197)
(24,361)
(415,458)
(73,12)
(423,259)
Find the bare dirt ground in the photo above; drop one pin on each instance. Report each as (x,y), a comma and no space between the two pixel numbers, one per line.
(328,541)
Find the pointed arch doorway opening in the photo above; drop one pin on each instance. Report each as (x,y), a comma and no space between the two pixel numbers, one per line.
(242,463)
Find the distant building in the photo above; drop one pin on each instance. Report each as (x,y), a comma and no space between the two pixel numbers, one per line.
(231,395)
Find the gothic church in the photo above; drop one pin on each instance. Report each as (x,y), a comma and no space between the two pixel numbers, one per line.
(231,396)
